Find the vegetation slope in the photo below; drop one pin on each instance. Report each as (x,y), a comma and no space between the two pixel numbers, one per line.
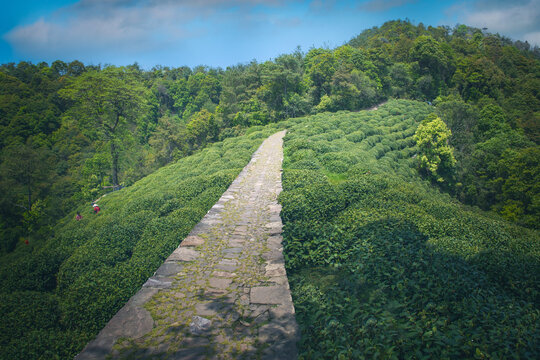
(382,264)
(56,297)
(357,171)
(69,129)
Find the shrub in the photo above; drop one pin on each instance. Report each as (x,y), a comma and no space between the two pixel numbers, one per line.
(102,260)
(381,264)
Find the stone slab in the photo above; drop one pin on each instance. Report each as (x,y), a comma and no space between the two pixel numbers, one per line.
(207,308)
(275,240)
(228,262)
(275,270)
(131,322)
(158,282)
(192,240)
(280,280)
(234,250)
(271,333)
(219,283)
(199,325)
(274,208)
(183,254)
(284,350)
(274,225)
(269,295)
(215,293)
(142,296)
(224,274)
(283,310)
(169,268)
(226,267)
(236,243)
(273,255)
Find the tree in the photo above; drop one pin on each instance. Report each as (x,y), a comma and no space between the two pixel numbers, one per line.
(169,140)
(280,81)
(202,129)
(434,59)
(320,68)
(520,196)
(436,157)
(479,76)
(25,170)
(105,103)
(401,80)
(430,55)
(462,119)
(25,176)
(491,121)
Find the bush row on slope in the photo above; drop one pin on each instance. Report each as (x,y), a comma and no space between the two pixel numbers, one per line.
(56,299)
(381,265)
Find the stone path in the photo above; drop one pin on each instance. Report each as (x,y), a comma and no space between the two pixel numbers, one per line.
(223,293)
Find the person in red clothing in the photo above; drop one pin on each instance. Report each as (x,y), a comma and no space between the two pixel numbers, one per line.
(79,216)
(96,208)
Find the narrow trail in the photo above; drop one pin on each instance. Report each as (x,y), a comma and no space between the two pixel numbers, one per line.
(223,293)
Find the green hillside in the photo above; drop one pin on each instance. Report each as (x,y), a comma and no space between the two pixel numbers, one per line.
(67,130)
(410,231)
(56,297)
(381,262)
(383,265)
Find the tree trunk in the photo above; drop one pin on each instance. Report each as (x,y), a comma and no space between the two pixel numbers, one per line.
(114,156)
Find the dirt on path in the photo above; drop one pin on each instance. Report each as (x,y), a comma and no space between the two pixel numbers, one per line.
(223,293)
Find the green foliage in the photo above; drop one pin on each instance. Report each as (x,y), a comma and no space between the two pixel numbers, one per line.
(202,129)
(165,113)
(43,339)
(106,102)
(490,154)
(520,188)
(81,276)
(58,151)
(381,264)
(433,57)
(436,157)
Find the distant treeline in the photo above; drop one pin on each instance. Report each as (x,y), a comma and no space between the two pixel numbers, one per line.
(67,130)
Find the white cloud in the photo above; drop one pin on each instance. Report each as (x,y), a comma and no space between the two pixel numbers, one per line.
(126,27)
(322,5)
(384,5)
(533,38)
(518,19)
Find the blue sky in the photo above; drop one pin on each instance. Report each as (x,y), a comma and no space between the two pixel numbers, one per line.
(221,33)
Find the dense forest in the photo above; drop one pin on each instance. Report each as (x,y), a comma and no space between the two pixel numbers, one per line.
(71,133)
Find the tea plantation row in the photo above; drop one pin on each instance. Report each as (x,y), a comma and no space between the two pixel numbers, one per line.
(56,297)
(382,265)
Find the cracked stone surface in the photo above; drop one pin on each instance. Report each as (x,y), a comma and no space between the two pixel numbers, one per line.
(223,293)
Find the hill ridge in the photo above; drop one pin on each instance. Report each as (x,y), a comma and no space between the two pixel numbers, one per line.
(374,253)
(224,291)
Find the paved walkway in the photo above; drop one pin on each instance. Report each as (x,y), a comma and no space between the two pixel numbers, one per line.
(223,293)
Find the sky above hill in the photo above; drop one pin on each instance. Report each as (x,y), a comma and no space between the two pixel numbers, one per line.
(219,33)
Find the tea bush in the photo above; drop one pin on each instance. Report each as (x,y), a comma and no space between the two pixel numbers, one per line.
(383,265)
(55,298)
